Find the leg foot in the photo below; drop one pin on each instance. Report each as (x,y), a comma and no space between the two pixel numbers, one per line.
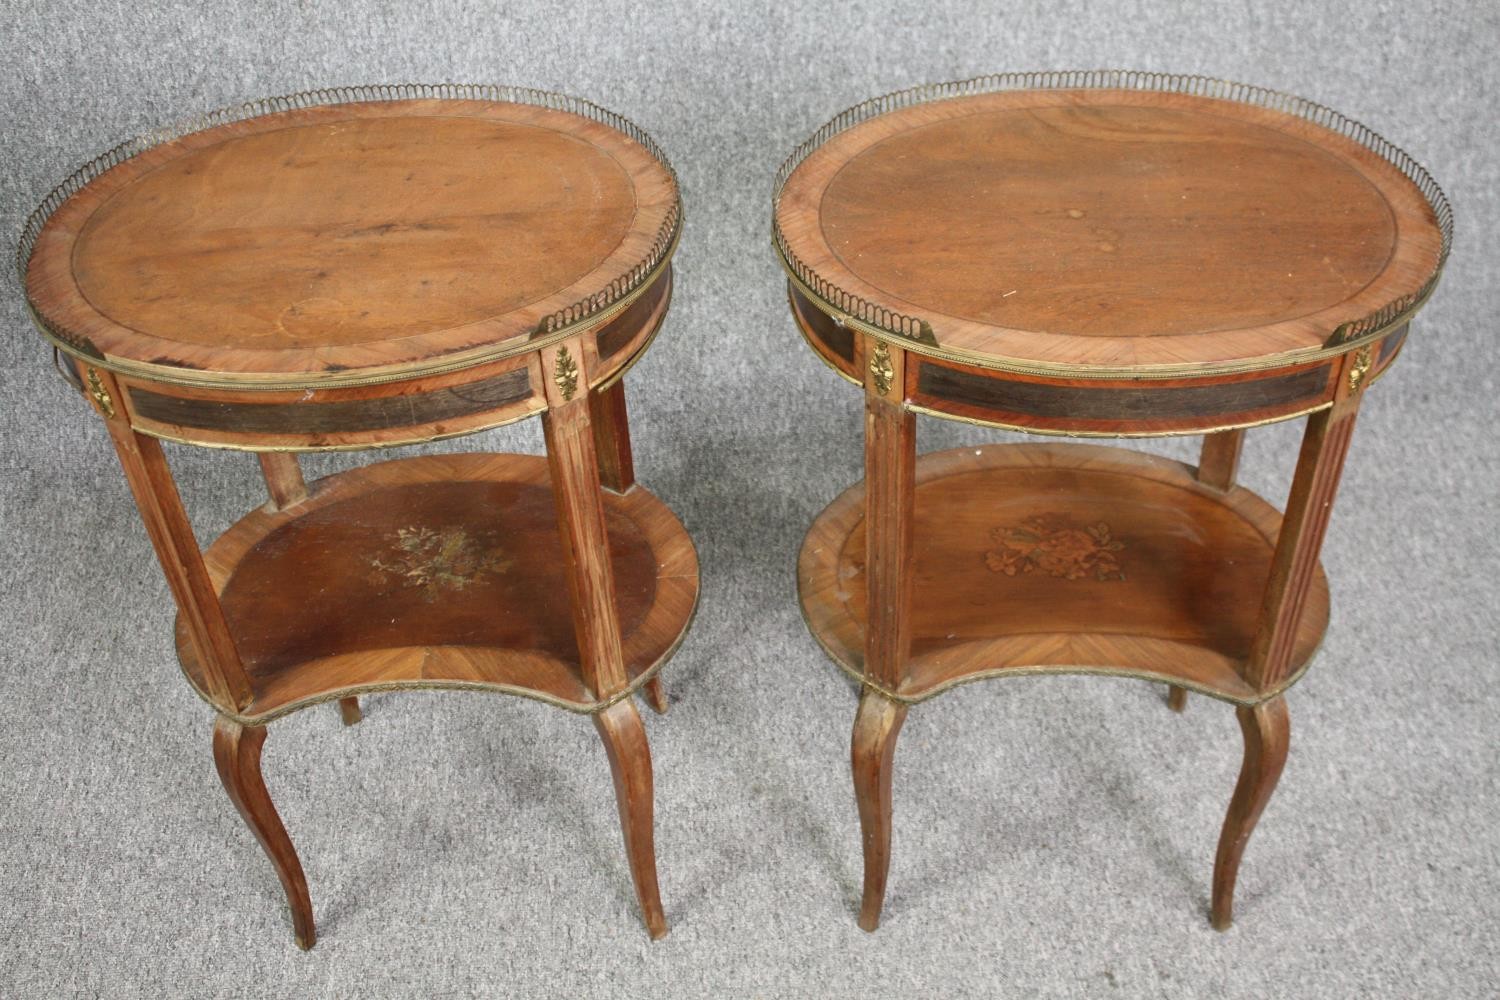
(630,760)
(872,751)
(1176,698)
(656,696)
(237,754)
(349,711)
(1267,730)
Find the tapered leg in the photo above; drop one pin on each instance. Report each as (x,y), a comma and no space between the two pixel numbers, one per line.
(237,753)
(1267,730)
(610,422)
(890,503)
(150,479)
(349,710)
(574,463)
(630,760)
(283,474)
(872,752)
(611,425)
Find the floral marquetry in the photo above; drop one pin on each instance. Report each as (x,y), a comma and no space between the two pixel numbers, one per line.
(1058,547)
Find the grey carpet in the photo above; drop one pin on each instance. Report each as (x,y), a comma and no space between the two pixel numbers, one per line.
(1053,836)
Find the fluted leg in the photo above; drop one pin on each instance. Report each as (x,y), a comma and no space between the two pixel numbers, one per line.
(630,760)
(872,753)
(237,754)
(1267,730)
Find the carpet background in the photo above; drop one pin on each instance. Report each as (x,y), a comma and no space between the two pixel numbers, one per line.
(1053,837)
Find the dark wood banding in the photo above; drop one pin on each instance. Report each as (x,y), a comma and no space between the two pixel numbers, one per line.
(1391,344)
(371,414)
(836,337)
(1113,401)
(621,331)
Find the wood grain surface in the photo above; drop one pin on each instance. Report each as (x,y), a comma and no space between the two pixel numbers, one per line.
(356,236)
(440,571)
(1112,228)
(1063,558)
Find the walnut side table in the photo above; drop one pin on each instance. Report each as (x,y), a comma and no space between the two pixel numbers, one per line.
(370,267)
(1091,254)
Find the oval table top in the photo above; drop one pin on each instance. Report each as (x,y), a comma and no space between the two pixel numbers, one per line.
(1101,229)
(323,242)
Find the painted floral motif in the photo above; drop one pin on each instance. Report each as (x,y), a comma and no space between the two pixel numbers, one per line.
(436,561)
(1058,547)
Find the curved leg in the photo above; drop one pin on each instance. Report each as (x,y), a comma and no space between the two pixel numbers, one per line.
(237,754)
(1176,698)
(872,750)
(624,738)
(349,711)
(1267,730)
(656,697)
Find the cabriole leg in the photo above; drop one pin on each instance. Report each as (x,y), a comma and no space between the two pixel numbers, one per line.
(890,498)
(872,753)
(1267,730)
(630,761)
(237,751)
(573,446)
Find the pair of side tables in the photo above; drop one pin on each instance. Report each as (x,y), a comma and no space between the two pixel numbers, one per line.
(1087,254)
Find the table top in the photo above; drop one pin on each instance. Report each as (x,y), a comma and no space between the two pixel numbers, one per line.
(329,237)
(1096,223)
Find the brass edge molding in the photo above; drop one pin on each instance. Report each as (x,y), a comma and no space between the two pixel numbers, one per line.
(1075,670)
(914,333)
(576,708)
(358,690)
(645,345)
(1050,432)
(363,446)
(1055,432)
(812,342)
(353,378)
(1018,366)
(1066,670)
(558,325)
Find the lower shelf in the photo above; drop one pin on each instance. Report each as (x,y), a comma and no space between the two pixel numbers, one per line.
(443,571)
(1062,558)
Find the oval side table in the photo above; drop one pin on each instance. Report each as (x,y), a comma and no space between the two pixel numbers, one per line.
(370,267)
(1091,254)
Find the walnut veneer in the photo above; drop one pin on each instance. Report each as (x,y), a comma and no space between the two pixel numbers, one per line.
(377,266)
(1109,255)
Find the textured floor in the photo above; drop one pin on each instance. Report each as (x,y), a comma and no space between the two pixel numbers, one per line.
(1053,836)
